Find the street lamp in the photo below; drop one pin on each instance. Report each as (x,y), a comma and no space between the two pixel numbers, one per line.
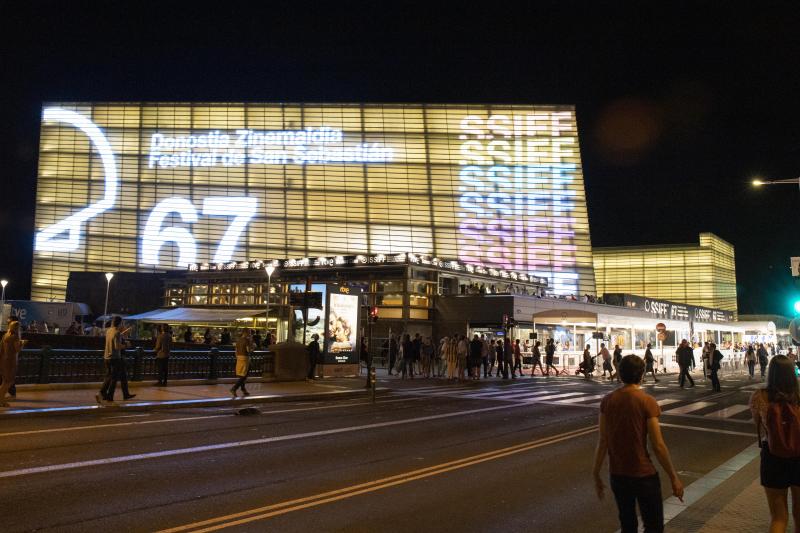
(758,182)
(269,270)
(109,275)
(3,283)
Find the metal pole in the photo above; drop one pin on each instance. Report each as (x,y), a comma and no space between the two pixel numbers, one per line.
(266,318)
(105,310)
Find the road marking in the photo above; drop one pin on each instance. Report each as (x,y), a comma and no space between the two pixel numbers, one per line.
(554,396)
(260,513)
(582,399)
(726,412)
(667,401)
(236,444)
(709,430)
(188,418)
(696,406)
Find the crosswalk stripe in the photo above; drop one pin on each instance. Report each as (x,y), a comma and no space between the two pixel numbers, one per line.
(528,395)
(667,401)
(727,412)
(696,406)
(502,392)
(549,397)
(582,399)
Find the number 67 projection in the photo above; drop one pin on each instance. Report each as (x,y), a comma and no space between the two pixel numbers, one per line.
(241,208)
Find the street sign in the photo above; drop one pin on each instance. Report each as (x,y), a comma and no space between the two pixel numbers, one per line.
(661,327)
(662,336)
(793,330)
(795,262)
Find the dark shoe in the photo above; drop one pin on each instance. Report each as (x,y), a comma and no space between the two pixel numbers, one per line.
(100,398)
(129,396)
(245,393)
(233,392)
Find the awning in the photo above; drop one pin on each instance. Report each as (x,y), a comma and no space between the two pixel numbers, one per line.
(190,315)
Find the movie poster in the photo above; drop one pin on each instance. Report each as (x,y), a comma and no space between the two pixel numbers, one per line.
(342,329)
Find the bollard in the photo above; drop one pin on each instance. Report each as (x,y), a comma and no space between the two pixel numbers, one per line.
(212,363)
(44,364)
(138,356)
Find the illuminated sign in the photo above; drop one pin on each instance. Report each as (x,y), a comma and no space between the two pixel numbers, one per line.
(494,190)
(341,332)
(664,309)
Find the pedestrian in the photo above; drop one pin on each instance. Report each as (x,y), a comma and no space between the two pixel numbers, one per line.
(587,366)
(462,350)
(115,364)
(313,356)
(207,337)
(451,356)
(428,353)
(393,347)
(685,357)
(225,337)
(628,417)
(408,357)
(605,355)
(416,349)
(162,350)
(244,346)
(517,358)
(485,352)
(649,362)
(12,390)
(750,359)
(617,357)
(776,411)
(187,335)
(706,358)
(508,361)
(475,353)
(763,359)
(10,347)
(537,359)
(549,353)
(715,360)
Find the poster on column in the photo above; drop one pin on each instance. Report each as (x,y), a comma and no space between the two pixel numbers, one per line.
(341,328)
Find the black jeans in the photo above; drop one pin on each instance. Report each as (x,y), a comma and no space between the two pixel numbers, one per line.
(115,373)
(647,492)
(392,361)
(685,375)
(408,365)
(485,363)
(312,367)
(240,384)
(162,366)
(751,366)
(715,379)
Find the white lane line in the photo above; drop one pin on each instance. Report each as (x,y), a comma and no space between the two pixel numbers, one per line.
(554,396)
(189,418)
(582,399)
(726,412)
(523,395)
(696,406)
(667,401)
(236,444)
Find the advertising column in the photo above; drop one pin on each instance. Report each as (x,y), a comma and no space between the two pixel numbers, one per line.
(340,349)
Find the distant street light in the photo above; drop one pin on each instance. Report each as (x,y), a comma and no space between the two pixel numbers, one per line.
(3,283)
(269,270)
(758,182)
(109,275)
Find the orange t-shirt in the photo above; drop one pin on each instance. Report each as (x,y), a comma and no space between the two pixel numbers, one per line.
(626,411)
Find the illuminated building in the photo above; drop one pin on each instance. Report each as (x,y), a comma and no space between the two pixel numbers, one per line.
(702,275)
(149,187)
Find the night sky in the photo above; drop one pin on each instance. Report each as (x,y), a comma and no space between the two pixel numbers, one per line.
(677,111)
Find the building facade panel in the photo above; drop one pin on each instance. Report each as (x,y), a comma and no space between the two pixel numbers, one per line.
(147,187)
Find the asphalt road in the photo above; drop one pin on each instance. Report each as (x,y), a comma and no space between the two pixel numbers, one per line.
(489,455)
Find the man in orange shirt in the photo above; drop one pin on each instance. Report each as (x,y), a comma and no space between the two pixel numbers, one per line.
(627,417)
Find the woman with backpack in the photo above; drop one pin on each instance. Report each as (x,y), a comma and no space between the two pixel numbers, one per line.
(750,359)
(776,413)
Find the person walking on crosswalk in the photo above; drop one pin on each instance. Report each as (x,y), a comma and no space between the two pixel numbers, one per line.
(549,352)
(685,357)
(606,357)
(715,362)
(750,359)
(537,359)
(649,362)
(763,359)
(628,418)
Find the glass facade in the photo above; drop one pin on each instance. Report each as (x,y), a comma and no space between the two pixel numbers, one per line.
(703,275)
(156,186)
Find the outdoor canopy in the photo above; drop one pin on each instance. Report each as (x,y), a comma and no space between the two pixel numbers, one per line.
(189,314)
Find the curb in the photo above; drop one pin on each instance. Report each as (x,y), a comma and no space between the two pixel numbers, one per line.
(184,404)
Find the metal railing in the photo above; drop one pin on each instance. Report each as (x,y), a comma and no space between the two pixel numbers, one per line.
(47,365)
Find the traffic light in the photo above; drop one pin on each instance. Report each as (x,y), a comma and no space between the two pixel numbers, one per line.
(373,314)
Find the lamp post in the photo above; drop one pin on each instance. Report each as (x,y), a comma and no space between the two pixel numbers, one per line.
(109,275)
(3,283)
(758,182)
(269,269)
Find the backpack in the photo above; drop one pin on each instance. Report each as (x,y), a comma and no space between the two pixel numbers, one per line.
(783,429)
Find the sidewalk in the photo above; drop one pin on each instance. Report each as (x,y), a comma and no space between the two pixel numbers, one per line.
(33,401)
(737,504)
